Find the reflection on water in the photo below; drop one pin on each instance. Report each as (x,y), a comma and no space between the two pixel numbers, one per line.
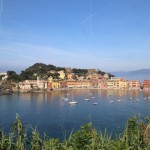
(51,114)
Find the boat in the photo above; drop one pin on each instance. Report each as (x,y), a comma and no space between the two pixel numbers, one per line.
(73,102)
(130,98)
(111,101)
(149,97)
(86,99)
(144,97)
(92,97)
(95,103)
(137,99)
(119,100)
(65,99)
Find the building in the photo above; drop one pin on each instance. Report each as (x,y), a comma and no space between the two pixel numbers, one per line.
(121,83)
(68,70)
(55,85)
(90,71)
(52,71)
(111,84)
(134,84)
(62,74)
(146,85)
(94,76)
(106,76)
(63,84)
(78,84)
(33,84)
(3,75)
(81,78)
(102,84)
(70,76)
(25,85)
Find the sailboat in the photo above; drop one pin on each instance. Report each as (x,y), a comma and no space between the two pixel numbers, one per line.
(72,102)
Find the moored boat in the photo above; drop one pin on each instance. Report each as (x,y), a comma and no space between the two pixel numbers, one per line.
(73,102)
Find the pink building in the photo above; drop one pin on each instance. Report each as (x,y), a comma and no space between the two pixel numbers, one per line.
(134,84)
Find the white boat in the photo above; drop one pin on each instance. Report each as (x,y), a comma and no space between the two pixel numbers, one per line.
(65,99)
(92,97)
(137,99)
(111,101)
(119,100)
(86,99)
(149,97)
(73,102)
(130,98)
(144,97)
(95,103)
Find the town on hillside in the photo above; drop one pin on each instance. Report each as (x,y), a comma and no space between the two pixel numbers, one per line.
(36,78)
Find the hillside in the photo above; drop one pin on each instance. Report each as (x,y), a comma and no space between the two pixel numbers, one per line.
(44,71)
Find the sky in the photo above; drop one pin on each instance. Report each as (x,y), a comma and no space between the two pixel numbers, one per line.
(110,35)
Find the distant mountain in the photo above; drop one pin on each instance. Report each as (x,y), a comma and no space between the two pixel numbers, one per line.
(137,74)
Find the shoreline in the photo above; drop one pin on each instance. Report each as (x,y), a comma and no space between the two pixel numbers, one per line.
(65,89)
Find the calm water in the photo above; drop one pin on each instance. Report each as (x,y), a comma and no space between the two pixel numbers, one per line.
(50,114)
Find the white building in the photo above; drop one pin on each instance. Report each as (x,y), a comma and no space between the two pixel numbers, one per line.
(29,84)
(4,75)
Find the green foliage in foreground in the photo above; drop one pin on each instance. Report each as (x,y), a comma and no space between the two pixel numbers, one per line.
(136,136)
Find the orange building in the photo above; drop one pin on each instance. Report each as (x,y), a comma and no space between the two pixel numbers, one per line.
(78,84)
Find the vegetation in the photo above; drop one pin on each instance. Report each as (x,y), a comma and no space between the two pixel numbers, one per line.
(136,136)
(41,70)
(44,71)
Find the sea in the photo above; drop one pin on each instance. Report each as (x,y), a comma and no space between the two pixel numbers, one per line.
(50,114)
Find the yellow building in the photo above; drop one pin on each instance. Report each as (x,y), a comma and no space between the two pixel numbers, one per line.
(110,84)
(55,85)
(62,74)
(121,83)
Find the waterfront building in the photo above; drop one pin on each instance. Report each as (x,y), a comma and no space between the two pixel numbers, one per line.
(134,84)
(111,84)
(33,84)
(102,84)
(63,84)
(55,85)
(146,85)
(78,84)
(25,85)
(121,83)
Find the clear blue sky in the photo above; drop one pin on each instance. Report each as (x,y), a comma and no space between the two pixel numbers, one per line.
(110,35)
